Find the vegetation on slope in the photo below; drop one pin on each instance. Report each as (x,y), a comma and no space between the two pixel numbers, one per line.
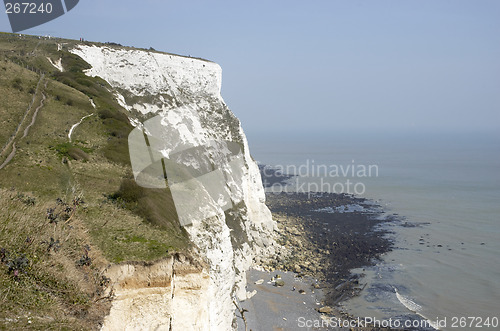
(51,269)
(50,273)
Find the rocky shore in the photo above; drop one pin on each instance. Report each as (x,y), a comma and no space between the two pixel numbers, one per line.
(324,236)
(321,238)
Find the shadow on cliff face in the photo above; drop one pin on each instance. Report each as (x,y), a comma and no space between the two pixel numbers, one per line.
(155,206)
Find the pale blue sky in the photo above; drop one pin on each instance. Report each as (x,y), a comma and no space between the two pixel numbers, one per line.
(314,66)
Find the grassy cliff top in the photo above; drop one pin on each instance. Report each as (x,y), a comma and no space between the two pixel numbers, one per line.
(69,43)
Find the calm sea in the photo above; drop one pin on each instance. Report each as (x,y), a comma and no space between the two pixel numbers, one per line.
(446,187)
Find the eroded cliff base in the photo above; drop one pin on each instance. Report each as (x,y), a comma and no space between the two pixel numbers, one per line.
(169,294)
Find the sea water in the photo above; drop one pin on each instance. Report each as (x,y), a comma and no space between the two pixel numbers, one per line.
(445,189)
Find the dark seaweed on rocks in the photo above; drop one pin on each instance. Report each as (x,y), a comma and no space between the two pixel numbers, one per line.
(327,244)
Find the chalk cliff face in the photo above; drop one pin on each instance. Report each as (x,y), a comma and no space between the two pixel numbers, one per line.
(166,295)
(183,95)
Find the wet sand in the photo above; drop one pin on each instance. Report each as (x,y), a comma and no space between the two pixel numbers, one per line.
(280,307)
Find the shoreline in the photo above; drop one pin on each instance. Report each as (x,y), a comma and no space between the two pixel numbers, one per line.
(279,301)
(321,238)
(327,235)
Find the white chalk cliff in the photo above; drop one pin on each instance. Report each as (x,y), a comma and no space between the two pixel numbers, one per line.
(185,92)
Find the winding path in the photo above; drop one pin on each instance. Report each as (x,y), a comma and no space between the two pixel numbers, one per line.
(26,130)
(9,158)
(13,136)
(33,119)
(76,125)
(81,120)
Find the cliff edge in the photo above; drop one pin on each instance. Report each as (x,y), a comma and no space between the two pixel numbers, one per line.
(182,95)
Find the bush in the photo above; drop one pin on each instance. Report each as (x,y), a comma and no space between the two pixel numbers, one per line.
(113,114)
(18,265)
(156,206)
(27,200)
(73,63)
(129,191)
(16,83)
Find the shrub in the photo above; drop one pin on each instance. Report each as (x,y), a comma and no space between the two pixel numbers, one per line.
(73,63)
(27,200)
(53,245)
(18,265)
(85,260)
(129,191)
(16,83)
(114,114)
(156,206)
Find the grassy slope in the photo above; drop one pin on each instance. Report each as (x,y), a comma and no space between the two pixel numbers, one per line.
(116,225)
(16,87)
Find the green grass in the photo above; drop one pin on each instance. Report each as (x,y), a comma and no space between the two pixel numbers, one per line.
(135,224)
(73,151)
(49,288)
(97,167)
(15,87)
(118,128)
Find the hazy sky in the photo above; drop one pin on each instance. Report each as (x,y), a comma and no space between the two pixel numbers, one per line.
(322,65)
